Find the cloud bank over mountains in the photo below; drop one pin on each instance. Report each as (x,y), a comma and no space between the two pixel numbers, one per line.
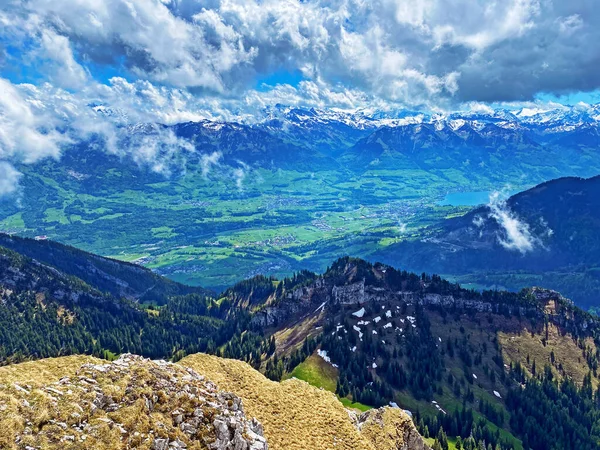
(170,61)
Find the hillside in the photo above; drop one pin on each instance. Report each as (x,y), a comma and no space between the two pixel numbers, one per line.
(45,312)
(456,358)
(118,278)
(547,235)
(79,402)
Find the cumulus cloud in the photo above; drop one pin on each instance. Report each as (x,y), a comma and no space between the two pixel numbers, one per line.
(416,53)
(27,131)
(159,61)
(514,233)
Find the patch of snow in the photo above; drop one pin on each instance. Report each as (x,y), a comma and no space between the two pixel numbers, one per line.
(374,332)
(353,348)
(440,339)
(363,322)
(497,394)
(388,325)
(358,330)
(360,313)
(388,313)
(394,405)
(327,359)
(374,365)
(377,319)
(321,307)
(474,376)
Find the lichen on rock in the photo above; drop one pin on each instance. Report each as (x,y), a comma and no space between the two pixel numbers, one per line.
(130,403)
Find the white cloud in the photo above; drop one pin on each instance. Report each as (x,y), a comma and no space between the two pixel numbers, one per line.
(571,24)
(515,234)
(28,131)
(9,179)
(207,162)
(418,53)
(61,67)
(239,175)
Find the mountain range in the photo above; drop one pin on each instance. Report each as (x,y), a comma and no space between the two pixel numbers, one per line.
(469,366)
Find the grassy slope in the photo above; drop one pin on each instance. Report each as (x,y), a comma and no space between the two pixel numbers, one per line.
(44,371)
(317,372)
(295,415)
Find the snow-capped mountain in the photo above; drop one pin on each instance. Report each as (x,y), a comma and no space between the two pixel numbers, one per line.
(359,140)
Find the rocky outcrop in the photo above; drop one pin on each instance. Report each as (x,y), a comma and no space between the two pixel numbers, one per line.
(130,403)
(306,300)
(390,429)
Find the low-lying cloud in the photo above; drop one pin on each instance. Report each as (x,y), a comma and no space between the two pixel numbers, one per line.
(239,175)
(208,161)
(514,233)
(9,179)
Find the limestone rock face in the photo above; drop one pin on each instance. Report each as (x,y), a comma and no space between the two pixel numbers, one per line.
(390,429)
(130,403)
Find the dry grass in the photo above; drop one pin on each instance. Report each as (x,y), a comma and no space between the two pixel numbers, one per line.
(386,429)
(46,413)
(295,415)
(516,347)
(44,371)
(291,337)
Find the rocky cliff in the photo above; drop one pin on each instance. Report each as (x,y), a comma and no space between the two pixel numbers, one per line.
(376,285)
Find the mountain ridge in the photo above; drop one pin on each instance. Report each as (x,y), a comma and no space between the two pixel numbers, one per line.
(374,335)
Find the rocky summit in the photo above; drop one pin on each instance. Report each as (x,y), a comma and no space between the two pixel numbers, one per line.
(81,402)
(129,403)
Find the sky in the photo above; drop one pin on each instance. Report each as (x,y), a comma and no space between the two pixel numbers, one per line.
(170,61)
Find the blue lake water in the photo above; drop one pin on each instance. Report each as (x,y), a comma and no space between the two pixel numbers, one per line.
(466,199)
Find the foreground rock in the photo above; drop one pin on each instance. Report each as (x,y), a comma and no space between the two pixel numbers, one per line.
(298,416)
(129,403)
(390,429)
